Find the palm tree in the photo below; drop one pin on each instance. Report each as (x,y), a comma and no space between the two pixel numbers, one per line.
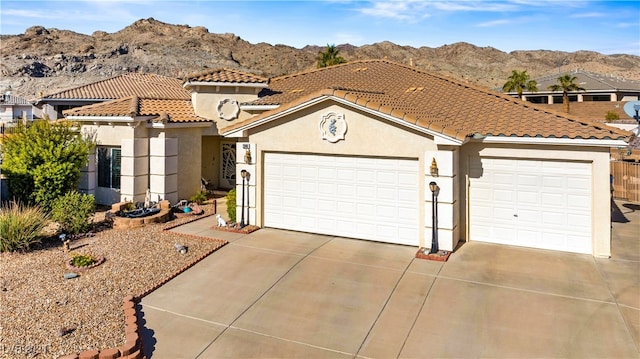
(565,84)
(330,57)
(520,81)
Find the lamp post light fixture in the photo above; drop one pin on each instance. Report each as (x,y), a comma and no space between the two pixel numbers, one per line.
(434,217)
(243,173)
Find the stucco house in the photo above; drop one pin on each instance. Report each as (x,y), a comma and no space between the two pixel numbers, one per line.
(602,93)
(14,109)
(350,150)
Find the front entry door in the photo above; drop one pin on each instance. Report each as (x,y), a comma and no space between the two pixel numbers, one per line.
(228,165)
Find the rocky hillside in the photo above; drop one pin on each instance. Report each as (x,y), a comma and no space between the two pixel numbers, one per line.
(50,60)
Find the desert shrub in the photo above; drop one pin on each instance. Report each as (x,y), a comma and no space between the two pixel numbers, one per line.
(611,116)
(82,260)
(231,205)
(43,160)
(199,197)
(73,211)
(20,226)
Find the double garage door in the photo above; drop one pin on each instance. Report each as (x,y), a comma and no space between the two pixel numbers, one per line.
(358,197)
(540,204)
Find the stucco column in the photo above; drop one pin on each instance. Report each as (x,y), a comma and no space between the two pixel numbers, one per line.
(447,179)
(134,169)
(244,150)
(88,175)
(163,169)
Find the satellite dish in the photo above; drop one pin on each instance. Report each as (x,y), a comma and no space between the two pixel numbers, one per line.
(632,109)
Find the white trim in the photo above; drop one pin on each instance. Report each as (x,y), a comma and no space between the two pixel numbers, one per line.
(258,107)
(122,119)
(553,141)
(225,84)
(438,137)
(179,125)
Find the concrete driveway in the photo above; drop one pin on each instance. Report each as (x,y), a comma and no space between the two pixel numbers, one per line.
(281,294)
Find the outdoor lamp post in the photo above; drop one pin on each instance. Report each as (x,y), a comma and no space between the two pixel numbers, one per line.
(637,109)
(248,176)
(434,217)
(243,173)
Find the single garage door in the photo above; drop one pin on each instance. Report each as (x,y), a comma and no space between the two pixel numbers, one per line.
(358,197)
(540,204)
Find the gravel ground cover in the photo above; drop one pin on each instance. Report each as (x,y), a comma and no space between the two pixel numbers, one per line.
(44,315)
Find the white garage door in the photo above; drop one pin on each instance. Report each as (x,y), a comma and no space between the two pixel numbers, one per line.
(366,198)
(540,204)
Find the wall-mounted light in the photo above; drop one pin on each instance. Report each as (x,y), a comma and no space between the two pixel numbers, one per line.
(247,156)
(434,168)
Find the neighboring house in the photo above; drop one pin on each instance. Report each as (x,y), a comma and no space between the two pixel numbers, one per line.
(14,109)
(130,84)
(603,93)
(350,150)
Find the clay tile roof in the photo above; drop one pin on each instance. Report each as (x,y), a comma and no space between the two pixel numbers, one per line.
(130,84)
(226,75)
(172,110)
(431,101)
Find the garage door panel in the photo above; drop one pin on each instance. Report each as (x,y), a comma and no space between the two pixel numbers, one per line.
(578,201)
(528,197)
(552,200)
(553,219)
(368,198)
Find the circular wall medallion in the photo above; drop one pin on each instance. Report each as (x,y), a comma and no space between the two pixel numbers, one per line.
(333,127)
(228,109)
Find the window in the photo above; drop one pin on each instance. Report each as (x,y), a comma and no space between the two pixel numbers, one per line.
(109,159)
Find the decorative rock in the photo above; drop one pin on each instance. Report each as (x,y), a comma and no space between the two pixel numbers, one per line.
(70,275)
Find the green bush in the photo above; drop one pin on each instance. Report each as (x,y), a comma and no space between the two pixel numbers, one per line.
(20,226)
(82,260)
(199,197)
(231,205)
(43,160)
(73,211)
(611,116)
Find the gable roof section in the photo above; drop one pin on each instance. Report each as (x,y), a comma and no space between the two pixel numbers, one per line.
(225,76)
(130,84)
(419,98)
(171,110)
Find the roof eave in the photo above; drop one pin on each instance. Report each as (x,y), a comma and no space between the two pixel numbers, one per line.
(590,142)
(227,84)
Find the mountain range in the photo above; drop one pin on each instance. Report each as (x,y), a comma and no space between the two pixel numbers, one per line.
(49,60)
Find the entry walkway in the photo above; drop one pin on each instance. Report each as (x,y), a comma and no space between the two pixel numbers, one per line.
(281,294)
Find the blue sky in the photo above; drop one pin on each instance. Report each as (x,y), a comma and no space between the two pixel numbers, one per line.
(609,27)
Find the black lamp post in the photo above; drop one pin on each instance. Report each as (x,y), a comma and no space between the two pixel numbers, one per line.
(637,109)
(248,176)
(243,173)
(434,217)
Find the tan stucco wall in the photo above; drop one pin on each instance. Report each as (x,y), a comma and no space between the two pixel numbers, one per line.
(365,136)
(205,102)
(189,157)
(107,135)
(598,157)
